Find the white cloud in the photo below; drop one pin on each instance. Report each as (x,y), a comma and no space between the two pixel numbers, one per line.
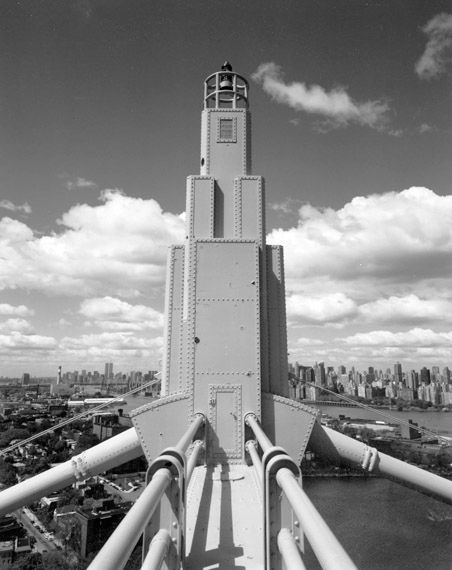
(415,337)
(113,314)
(20,325)
(80,183)
(398,236)
(437,53)
(307,341)
(119,346)
(409,308)
(17,341)
(8,205)
(336,105)
(320,309)
(426,128)
(19,310)
(286,206)
(118,247)
(13,232)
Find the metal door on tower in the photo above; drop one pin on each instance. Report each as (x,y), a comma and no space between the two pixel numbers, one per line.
(225,415)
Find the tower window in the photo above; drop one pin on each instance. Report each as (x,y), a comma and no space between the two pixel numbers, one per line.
(227,130)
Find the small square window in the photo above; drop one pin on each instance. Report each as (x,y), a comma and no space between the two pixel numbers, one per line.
(226,130)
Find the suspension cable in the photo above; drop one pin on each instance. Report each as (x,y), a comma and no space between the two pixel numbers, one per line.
(420,429)
(76,417)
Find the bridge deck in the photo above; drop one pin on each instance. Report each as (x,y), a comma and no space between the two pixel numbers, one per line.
(224,519)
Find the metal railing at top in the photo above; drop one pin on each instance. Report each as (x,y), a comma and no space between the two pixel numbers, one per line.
(276,467)
(225,89)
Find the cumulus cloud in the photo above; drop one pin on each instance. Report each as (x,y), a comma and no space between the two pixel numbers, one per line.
(114,345)
(416,337)
(320,309)
(398,236)
(336,105)
(113,314)
(20,325)
(287,206)
(19,310)
(19,341)
(409,308)
(118,247)
(437,53)
(8,205)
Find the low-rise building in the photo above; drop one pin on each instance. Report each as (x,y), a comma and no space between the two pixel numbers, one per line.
(6,553)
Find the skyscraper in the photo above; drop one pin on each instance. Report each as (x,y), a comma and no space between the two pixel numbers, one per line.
(108,370)
(319,370)
(398,373)
(425,375)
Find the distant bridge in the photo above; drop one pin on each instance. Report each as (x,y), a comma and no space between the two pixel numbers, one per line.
(340,403)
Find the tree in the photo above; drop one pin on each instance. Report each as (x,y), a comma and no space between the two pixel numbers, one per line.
(32,561)
(7,473)
(13,433)
(69,496)
(56,561)
(85,441)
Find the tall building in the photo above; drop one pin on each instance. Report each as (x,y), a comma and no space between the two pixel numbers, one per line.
(108,370)
(25,379)
(413,380)
(398,373)
(425,375)
(319,371)
(436,374)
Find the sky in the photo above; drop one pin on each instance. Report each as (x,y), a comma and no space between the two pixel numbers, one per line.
(100,105)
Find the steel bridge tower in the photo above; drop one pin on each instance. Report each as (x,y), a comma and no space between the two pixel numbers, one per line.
(224,442)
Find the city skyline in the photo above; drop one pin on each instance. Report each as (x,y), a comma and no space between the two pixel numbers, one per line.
(100,126)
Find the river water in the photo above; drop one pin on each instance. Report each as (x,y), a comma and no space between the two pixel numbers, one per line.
(383,525)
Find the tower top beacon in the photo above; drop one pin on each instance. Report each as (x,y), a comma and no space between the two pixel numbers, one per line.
(225,89)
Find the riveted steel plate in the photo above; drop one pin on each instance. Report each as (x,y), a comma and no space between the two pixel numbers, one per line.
(288,423)
(200,206)
(171,381)
(234,343)
(162,423)
(227,269)
(226,334)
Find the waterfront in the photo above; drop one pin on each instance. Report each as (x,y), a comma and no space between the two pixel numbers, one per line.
(382,525)
(438,422)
